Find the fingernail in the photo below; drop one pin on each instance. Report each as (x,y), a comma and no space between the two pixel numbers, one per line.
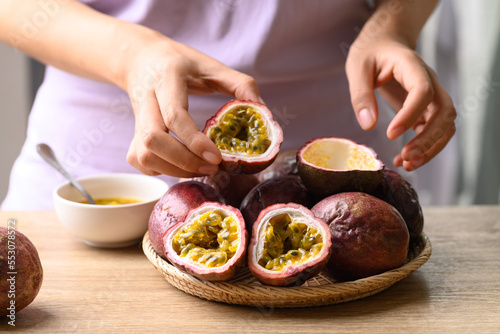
(365,118)
(211,157)
(395,133)
(261,100)
(208,169)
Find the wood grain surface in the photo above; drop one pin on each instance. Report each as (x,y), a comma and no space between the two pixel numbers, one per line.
(93,290)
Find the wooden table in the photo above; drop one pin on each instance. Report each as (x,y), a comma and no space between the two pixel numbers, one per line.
(94,290)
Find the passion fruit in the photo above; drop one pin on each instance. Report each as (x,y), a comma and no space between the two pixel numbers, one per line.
(369,236)
(282,189)
(210,243)
(330,165)
(288,245)
(247,136)
(232,187)
(398,192)
(173,207)
(21,273)
(285,164)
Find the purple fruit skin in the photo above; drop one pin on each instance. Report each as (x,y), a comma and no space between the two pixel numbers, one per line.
(369,236)
(398,192)
(284,189)
(173,207)
(28,268)
(232,187)
(285,164)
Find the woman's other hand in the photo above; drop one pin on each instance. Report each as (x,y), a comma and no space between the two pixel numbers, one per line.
(383,58)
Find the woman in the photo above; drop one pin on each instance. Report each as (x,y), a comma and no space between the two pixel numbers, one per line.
(128,80)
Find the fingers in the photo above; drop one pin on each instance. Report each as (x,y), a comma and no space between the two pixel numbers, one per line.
(361,88)
(226,81)
(411,87)
(243,87)
(393,93)
(428,155)
(414,78)
(166,138)
(426,108)
(154,150)
(434,128)
(172,98)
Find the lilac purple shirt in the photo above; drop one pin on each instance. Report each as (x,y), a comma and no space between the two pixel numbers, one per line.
(295,49)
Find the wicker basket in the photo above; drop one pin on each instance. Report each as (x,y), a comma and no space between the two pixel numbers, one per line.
(322,289)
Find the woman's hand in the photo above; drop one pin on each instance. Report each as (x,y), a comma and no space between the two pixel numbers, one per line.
(157,73)
(383,58)
(159,81)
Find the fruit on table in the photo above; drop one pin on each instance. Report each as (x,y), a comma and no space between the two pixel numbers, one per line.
(247,136)
(285,164)
(21,273)
(369,236)
(173,207)
(282,189)
(330,165)
(233,187)
(398,192)
(210,243)
(288,245)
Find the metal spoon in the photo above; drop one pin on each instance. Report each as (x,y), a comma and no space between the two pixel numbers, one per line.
(48,155)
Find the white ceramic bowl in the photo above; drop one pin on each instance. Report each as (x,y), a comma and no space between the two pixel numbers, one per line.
(109,226)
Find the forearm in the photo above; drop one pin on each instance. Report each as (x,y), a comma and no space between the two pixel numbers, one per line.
(403,19)
(73,37)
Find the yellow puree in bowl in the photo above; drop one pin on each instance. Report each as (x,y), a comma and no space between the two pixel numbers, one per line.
(114,201)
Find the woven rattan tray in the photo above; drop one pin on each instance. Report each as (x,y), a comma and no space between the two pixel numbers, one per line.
(319,290)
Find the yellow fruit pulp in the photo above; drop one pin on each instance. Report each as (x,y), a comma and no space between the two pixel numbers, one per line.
(339,155)
(210,240)
(241,130)
(113,201)
(289,241)
(359,159)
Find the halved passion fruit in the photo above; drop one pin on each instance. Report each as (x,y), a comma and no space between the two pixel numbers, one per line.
(210,243)
(247,136)
(330,165)
(288,245)
(174,206)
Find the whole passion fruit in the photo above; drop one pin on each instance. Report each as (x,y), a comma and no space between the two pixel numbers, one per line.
(369,236)
(285,164)
(398,192)
(330,165)
(210,243)
(288,245)
(173,207)
(232,187)
(284,189)
(21,272)
(247,136)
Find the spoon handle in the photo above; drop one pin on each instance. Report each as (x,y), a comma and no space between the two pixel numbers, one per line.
(48,155)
